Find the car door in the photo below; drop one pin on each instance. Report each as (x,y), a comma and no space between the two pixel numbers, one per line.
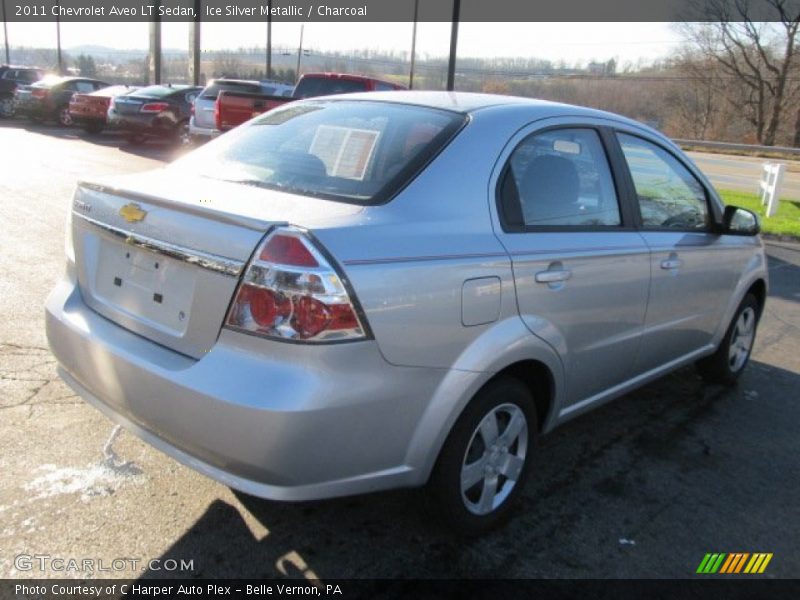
(581,269)
(693,269)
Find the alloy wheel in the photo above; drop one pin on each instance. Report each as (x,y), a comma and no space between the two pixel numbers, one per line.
(64,118)
(494,459)
(742,339)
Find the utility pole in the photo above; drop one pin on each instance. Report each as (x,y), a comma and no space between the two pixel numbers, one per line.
(5,33)
(60,59)
(155,51)
(413,46)
(451,67)
(194,47)
(269,45)
(299,53)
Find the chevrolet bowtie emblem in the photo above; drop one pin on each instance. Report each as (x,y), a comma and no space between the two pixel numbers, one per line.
(132,213)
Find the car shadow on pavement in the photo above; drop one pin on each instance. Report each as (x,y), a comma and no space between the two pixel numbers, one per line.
(158,149)
(652,464)
(787,285)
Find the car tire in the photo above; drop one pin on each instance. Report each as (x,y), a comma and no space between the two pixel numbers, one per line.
(7,107)
(181,135)
(63,118)
(93,127)
(729,361)
(477,480)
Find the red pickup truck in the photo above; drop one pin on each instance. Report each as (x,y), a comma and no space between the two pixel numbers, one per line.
(234,108)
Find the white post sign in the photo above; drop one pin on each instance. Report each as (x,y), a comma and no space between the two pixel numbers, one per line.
(770,186)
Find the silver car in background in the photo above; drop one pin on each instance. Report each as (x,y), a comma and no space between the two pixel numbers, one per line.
(350,294)
(203,123)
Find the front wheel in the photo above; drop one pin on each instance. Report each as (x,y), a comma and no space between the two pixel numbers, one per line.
(728,362)
(484,463)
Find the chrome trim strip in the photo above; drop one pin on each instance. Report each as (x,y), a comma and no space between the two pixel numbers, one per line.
(204,260)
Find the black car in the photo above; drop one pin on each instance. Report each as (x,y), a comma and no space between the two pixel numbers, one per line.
(11,79)
(49,98)
(157,111)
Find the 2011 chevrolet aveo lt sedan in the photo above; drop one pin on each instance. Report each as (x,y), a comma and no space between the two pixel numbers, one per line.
(358,293)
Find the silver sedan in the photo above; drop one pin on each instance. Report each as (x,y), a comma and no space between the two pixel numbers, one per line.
(395,289)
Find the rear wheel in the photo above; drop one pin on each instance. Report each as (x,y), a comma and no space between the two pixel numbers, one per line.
(483,465)
(7,107)
(63,117)
(728,362)
(182,136)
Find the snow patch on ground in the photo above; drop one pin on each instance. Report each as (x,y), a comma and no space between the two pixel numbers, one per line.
(91,481)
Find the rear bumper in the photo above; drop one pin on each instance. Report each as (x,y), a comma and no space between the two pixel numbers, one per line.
(280,421)
(149,125)
(201,131)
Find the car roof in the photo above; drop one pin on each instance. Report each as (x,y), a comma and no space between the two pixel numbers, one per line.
(526,109)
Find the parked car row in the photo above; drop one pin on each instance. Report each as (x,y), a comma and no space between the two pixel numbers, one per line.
(182,113)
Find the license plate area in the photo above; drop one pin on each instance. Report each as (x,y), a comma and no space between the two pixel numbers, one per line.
(146,285)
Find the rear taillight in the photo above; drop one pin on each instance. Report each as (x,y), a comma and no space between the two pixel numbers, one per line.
(217,115)
(154,107)
(291,291)
(40,93)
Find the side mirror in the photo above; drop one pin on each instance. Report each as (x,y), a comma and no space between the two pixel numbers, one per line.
(740,221)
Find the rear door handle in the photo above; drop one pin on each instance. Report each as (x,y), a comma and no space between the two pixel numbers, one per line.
(553,276)
(671,263)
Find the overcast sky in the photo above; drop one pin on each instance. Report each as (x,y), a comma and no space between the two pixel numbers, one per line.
(571,42)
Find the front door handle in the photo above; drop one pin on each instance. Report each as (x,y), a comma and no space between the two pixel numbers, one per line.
(671,263)
(553,276)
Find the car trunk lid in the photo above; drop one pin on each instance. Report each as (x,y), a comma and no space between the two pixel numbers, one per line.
(129,105)
(162,257)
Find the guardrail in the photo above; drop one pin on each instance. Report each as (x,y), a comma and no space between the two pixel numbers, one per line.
(731,146)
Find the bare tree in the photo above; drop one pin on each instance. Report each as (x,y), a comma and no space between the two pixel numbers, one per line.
(760,56)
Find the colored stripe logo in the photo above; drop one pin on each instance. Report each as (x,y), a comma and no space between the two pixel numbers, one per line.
(733,563)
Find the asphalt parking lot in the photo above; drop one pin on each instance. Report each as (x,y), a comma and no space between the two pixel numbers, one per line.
(642,487)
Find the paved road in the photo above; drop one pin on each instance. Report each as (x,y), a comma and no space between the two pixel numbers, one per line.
(642,487)
(743,173)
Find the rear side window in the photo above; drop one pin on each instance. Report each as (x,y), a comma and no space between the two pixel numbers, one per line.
(310,87)
(560,178)
(669,195)
(84,87)
(356,152)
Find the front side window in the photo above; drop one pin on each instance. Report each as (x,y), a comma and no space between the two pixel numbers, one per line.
(669,196)
(358,152)
(560,178)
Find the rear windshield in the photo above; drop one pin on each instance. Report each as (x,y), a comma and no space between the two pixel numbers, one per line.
(213,90)
(358,152)
(159,91)
(28,76)
(310,87)
(114,90)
